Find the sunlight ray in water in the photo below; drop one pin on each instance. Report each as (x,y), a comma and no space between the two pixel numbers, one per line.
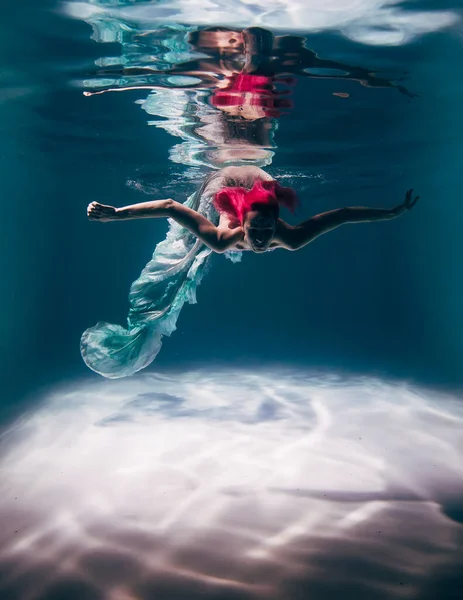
(217,480)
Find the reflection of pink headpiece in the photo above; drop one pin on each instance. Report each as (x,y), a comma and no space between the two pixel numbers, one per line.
(260,90)
(236,202)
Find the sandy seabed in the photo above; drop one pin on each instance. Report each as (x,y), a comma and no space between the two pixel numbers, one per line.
(230,484)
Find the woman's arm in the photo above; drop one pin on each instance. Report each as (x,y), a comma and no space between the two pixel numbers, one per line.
(144,210)
(296,237)
(202,228)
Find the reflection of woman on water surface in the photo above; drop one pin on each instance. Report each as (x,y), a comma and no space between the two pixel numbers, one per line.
(248,202)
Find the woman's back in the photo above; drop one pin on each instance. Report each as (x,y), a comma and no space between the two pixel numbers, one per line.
(244,176)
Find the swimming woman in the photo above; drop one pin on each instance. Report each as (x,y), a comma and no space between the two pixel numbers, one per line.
(249,214)
(235,209)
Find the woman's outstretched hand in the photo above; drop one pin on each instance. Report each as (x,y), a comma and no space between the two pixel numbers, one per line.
(407,204)
(101,212)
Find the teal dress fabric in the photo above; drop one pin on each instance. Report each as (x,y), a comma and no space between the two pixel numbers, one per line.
(156,298)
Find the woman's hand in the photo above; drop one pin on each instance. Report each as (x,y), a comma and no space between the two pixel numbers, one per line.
(407,204)
(101,212)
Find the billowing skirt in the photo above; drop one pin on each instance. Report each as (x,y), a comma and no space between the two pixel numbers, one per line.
(156,298)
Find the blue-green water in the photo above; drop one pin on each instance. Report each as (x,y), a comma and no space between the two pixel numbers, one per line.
(293,417)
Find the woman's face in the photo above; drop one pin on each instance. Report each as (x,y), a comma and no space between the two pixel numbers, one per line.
(259,227)
(223,42)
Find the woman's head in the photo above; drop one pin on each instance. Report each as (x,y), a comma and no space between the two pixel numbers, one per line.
(217,40)
(256,210)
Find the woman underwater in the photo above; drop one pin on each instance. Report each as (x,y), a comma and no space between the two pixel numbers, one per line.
(235,209)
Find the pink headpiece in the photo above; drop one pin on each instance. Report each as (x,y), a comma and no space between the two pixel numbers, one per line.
(238,201)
